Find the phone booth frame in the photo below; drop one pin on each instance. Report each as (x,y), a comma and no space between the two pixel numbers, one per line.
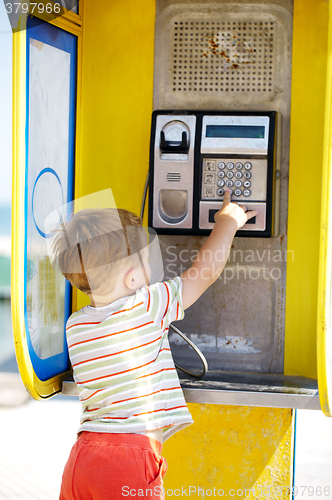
(245,423)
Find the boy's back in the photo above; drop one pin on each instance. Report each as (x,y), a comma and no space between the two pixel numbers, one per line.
(123,366)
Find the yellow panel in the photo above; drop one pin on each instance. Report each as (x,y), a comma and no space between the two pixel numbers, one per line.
(305,180)
(118,41)
(118,44)
(232,448)
(324,347)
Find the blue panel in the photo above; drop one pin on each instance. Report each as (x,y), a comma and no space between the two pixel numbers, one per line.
(49,172)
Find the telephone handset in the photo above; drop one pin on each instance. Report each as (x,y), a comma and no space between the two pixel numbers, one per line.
(196,155)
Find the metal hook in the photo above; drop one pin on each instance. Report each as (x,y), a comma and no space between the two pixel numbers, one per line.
(198,352)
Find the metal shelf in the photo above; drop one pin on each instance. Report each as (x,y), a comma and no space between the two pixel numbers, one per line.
(243,389)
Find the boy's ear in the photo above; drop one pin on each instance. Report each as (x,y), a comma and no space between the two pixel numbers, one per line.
(130,279)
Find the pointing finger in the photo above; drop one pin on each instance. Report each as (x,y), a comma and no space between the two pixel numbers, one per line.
(251,214)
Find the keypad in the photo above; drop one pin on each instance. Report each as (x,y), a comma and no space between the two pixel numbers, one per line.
(219,174)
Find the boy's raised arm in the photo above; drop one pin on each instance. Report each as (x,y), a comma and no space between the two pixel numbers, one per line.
(213,255)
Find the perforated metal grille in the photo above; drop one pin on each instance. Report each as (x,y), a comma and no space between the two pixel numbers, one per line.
(229,56)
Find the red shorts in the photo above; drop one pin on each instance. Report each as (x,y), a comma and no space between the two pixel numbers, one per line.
(103,466)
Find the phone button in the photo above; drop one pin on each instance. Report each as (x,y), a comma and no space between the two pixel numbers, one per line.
(230,165)
(238,165)
(209,178)
(230,175)
(238,175)
(220,192)
(221,165)
(247,165)
(210,165)
(209,192)
(247,184)
(246,192)
(221,174)
(237,192)
(221,183)
(238,184)
(247,175)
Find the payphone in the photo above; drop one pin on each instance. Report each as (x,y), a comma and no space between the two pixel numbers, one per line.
(196,155)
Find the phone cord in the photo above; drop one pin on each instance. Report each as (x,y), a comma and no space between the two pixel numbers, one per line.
(144,195)
(198,352)
(174,328)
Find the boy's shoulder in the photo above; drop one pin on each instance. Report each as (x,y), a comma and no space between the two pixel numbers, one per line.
(75,320)
(153,297)
(75,315)
(173,286)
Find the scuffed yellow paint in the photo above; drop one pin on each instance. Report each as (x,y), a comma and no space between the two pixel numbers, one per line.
(232,448)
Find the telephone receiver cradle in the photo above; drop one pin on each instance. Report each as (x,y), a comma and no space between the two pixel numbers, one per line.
(174,147)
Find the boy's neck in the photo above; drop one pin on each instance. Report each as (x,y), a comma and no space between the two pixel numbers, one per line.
(106,300)
(129,280)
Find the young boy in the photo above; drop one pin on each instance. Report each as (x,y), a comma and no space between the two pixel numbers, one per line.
(122,364)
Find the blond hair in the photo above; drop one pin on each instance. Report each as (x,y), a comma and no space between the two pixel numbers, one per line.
(89,247)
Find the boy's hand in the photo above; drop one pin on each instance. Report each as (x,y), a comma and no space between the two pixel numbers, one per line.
(235,213)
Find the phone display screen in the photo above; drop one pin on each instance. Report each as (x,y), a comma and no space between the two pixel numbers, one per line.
(236,131)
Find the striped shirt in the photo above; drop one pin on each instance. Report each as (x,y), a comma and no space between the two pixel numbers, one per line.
(123,366)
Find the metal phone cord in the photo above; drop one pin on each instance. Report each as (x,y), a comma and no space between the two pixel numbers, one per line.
(198,352)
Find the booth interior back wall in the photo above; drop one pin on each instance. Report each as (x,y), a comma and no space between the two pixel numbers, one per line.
(229,57)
